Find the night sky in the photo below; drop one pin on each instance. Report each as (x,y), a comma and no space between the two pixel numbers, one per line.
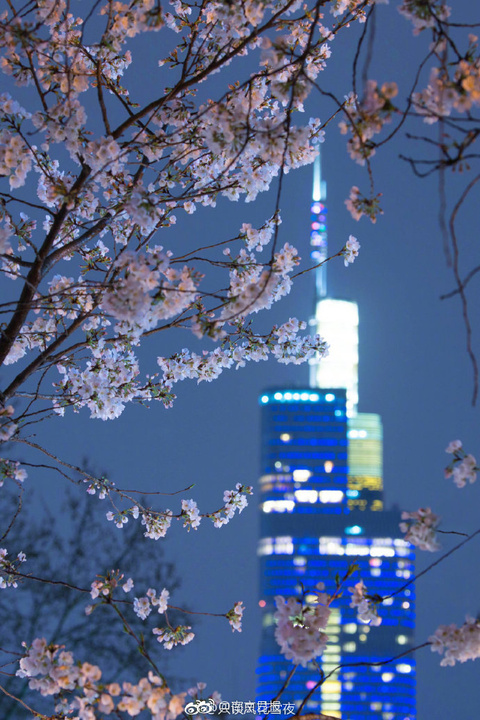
(414,372)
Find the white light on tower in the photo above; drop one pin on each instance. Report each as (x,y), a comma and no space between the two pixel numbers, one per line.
(337,322)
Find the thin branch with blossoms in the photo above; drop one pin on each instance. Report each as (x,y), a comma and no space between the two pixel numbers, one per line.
(461,290)
(434,564)
(353,664)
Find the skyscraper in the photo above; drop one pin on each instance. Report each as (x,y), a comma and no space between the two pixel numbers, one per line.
(321,502)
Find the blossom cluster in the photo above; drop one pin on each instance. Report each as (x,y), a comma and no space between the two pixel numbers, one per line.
(300,626)
(11,469)
(283,343)
(105,585)
(253,288)
(190,514)
(234,500)
(143,606)
(234,616)
(15,157)
(350,251)
(145,291)
(424,15)
(158,522)
(457,644)
(367,117)
(106,384)
(80,690)
(366,604)
(258,239)
(420,528)
(463,467)
(446,92)
(101,485)
(66,299)
(7,425)
(109,380)
(9,569)
(359,206)
(170,637)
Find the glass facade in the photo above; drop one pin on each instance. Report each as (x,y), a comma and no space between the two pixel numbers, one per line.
(320,496)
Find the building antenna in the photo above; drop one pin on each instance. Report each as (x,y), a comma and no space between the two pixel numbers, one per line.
(318,248)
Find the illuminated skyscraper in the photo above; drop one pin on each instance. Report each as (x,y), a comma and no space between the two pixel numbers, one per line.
(321,502)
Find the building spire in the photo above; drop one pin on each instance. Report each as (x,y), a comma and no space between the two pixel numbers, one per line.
(335,320)
(318,231)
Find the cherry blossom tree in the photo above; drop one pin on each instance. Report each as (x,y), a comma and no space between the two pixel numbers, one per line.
(93,176)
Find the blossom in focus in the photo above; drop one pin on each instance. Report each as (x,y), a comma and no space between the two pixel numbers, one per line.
(190,513)
(180,635)
(234,500)
(141,607)
(11,469)
(9,568)
(161,602)
(350,251)
(235,615)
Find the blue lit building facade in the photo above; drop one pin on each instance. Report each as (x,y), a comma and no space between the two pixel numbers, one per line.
(321,507)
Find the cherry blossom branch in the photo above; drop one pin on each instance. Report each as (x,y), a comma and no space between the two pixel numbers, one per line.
(366,663)
(140,642)
(47,581)
(434,564)
(379,663)
(43,356)
(34,277)
(15,514)
(184,84)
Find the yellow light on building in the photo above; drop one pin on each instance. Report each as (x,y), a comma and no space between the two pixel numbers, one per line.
(331,689)
(365,461)
(365,445)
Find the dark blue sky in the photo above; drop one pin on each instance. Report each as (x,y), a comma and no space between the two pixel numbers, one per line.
(414,372)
